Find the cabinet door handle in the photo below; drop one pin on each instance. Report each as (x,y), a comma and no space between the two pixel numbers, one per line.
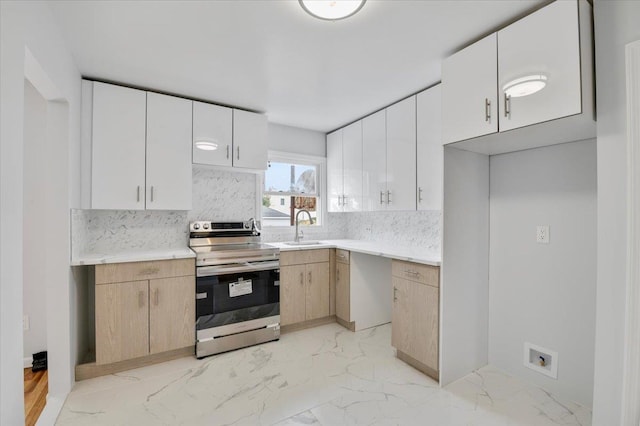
(395,296)
(152,193)
(381,196)
(344,200)
(227,152)
(141,299)
(309,277)
(238,153)
(138,196)
(419,194)
(487,109)
(507,106)
(157,296)
(301,278)
(388,197)
(337,274)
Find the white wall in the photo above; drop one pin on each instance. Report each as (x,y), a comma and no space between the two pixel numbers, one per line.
(30,25)
(616,24)
(34,291)
(464,296)
(296,140)
(544,293)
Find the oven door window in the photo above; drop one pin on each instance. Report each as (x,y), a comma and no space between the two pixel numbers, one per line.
(231,298)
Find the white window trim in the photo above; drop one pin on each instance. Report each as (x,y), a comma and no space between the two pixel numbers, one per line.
(321,185)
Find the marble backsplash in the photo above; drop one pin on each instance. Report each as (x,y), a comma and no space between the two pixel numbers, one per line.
(226,195)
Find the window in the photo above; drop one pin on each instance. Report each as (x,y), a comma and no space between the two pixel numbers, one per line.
(291,184)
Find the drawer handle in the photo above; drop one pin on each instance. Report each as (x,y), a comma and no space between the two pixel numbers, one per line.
(301,278)
(412,273)
(342,256)
(157,296)
(141,299)
(337,274)
(309,277)
(150,271)
(395,296)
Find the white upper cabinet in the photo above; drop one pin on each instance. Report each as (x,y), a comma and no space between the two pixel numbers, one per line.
(212,134)
(374,161)
(249,140)
(169,177)
(352,167)
(117,146)
(469,96)
(541,69)
(335,187)
(429,150)
(401,155)
(543,48)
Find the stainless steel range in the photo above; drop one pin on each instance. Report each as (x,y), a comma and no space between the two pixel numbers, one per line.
(237,286)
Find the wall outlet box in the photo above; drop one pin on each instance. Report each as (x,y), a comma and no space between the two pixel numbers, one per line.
(541,359)
(542,234)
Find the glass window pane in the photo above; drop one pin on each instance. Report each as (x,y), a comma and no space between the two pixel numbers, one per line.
(289,177)
(276,213)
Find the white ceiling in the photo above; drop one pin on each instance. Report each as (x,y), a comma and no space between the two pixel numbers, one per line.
(270,56)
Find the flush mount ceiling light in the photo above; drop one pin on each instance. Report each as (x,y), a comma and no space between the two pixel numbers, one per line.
(206,144)
(525,86)
(331,10)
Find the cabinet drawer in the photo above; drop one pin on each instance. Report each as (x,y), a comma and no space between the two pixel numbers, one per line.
(300,257)
(416,272)
(137,271)
(342,256)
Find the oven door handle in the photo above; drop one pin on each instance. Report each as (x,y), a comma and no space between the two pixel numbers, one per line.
(211,271)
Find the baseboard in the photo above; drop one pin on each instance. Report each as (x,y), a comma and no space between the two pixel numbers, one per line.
(307,324)
(434,374)
(51,411)
(28,362)
(91,370)
(348,325)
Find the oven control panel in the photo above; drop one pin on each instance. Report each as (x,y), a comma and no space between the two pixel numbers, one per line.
(203,227)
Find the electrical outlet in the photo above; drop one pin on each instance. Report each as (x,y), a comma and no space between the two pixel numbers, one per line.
(542,234)
(25,323)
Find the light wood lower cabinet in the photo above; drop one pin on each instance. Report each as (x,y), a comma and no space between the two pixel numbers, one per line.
(144,317)
(343,287)
(304,286)
(122,321)
(415,315)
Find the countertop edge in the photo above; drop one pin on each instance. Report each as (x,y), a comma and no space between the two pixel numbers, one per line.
(89,259)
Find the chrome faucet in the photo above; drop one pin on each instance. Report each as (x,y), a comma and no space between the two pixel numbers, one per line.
(297,237)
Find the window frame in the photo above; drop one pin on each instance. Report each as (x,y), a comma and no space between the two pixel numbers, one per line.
(320,194)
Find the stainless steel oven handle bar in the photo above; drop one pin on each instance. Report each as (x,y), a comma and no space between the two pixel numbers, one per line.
(211,271)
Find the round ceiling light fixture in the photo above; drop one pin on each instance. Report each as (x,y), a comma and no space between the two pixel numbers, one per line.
(206,144)
(525,86)
(331,10)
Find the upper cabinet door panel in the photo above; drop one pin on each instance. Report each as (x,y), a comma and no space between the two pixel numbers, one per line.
(169,174)
(374,162)
(118,148)
(469,95)
(213,128)
(401,155)
(545,43)
(429,150)
(352,167)
(335,186)
(249,140)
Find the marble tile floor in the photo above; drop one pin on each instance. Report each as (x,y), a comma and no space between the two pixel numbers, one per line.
(321,376)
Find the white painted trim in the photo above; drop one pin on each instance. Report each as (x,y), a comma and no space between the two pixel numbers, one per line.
(631,369)
(27,362)
(51,411)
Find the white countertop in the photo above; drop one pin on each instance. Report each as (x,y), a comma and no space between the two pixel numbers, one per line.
(410,254)
(133,256)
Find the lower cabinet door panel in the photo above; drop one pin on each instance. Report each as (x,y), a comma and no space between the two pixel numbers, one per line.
(343,292)
(292,294)
(171,313)
(122,321)
(317,294)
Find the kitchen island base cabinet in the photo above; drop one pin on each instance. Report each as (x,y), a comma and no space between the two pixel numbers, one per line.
(304,286)
(143,308)
(415,315)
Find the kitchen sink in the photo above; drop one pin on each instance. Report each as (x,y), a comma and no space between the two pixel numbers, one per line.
(302,243)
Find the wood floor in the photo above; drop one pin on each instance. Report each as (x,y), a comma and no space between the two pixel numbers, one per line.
(35,394)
